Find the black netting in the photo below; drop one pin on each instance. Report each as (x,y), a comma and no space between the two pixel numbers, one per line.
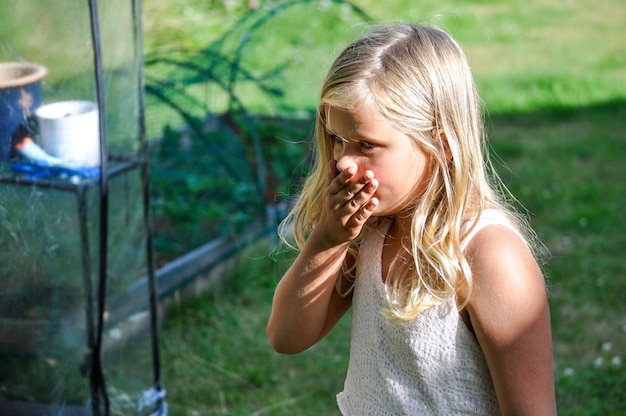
(76,328)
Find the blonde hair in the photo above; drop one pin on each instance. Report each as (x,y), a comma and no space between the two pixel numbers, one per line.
(419,80)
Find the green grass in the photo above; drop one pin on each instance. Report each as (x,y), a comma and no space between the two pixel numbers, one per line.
(224,364)
(553,79)
(569,172)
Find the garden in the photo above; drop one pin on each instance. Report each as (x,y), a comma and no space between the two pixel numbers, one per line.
(231,88)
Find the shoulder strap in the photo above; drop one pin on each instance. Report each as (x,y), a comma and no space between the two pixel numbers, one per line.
(488,217)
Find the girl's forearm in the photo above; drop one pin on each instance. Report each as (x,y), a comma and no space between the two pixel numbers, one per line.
(302,301)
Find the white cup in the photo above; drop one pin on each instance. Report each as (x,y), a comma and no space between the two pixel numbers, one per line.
(70,131)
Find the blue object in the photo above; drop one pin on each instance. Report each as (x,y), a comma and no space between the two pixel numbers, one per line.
(36,170)
(20,95)
(152,403)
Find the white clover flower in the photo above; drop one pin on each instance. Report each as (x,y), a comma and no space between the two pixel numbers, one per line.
(616,361)
(607,346)
(598,362)
(568,372)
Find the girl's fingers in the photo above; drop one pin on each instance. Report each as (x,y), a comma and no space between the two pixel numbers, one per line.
(349,202)
(354,198)
(342,179)
(363,195)
(354,195)
(345,186)
(332,171)
(359,218)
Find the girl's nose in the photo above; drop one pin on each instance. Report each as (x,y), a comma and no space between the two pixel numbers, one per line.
(345,160)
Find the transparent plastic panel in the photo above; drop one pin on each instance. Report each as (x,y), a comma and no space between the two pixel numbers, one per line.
(50,203)
(126,350)
(43,297)
(122,61)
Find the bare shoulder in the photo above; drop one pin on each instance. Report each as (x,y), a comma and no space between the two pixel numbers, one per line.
(507,279)
(509,313)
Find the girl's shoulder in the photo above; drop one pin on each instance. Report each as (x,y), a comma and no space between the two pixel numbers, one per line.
(497,250)
(507,281)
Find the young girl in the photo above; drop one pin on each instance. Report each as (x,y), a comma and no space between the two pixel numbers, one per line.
(401,220)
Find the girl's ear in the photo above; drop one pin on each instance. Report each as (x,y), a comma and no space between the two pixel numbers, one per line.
(439,133)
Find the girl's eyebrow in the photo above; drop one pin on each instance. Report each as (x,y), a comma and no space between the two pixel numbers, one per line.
(362,137)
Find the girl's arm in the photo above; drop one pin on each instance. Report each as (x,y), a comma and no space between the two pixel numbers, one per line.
(509,313)
(306,305)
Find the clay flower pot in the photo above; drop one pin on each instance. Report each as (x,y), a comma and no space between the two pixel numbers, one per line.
(20,95)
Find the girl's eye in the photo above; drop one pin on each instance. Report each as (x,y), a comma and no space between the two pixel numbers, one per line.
(366,147)
(337,139)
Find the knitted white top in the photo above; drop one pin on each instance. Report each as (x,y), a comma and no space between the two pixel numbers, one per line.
(432,365)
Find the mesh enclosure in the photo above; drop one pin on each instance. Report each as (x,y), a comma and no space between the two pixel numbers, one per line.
(77,333)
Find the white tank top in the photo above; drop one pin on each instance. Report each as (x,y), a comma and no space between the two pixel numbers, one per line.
(432,365)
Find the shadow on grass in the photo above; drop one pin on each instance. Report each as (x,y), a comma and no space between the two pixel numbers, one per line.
(567,168)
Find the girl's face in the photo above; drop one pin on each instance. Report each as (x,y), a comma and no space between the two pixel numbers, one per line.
(364,139)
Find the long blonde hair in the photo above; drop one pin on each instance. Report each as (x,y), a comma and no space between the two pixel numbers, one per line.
(419,80)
